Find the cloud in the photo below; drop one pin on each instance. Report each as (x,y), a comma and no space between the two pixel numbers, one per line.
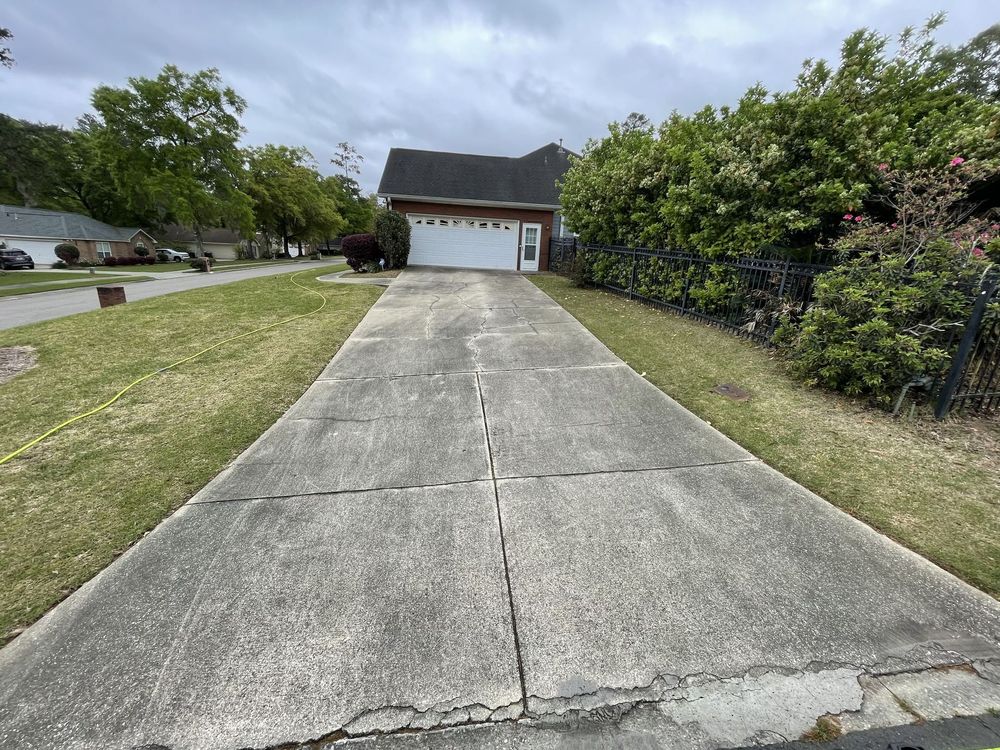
(500,77)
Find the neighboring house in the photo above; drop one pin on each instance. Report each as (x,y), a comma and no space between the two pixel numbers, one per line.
(222,243)
(37,231)
(477,211)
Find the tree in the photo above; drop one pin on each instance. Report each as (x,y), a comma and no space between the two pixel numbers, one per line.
(779,169)
(6,57)
(288,195)
(347,158)
(357,209)
(975,66)
(170,145)
(47,166)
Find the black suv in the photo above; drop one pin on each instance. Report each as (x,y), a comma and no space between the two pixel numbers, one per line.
(15,258)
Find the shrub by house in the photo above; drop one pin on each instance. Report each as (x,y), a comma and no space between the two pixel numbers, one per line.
(392,231)
(362,252)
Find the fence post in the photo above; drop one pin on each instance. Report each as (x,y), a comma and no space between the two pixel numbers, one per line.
(631,281)
(954,378)
(784,277)
(781,293)
(687,285)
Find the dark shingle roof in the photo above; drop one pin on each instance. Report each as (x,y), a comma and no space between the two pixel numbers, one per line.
(529,179)
(18,221)
(181,233)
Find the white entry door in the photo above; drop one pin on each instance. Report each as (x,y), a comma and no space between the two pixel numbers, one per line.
(531,237)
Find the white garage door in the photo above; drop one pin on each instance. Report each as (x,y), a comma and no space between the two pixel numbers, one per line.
(41,251)
(467,242)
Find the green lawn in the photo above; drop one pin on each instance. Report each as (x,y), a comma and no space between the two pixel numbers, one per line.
(933,486)
(75,501)
(71,281)
(30,277)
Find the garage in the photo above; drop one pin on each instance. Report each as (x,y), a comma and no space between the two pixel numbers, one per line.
(41,251)
(466,242)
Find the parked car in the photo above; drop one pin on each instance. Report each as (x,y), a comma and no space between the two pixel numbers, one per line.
(14,258)
(175,255)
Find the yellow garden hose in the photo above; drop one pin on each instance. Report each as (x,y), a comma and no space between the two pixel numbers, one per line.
(147,376)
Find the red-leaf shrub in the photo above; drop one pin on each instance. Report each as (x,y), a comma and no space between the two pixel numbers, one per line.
(361,250)
(111,261)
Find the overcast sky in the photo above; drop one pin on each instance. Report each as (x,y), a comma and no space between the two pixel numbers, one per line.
(500,77)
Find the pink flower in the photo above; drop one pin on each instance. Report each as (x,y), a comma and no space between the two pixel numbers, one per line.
(994,227)
(858,219)
(848,217)
(956,161)
(894,225)
(883,167)
(977,252)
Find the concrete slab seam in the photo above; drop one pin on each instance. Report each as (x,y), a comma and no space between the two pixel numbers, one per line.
(503,551)
(322,493)
(471,372)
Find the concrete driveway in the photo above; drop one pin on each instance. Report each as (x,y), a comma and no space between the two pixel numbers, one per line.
(479,518)
(39,306)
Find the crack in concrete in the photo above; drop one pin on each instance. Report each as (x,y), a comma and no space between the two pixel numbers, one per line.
(606,704)
(472,342)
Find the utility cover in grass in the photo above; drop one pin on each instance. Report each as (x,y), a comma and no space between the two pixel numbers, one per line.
(732,392)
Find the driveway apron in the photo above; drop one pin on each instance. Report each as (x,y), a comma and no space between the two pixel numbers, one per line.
(477,514)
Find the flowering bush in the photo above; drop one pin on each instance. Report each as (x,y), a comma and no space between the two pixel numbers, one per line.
(894,307)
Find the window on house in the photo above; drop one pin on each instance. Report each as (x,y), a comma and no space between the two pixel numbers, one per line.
(103,250)
(141,244)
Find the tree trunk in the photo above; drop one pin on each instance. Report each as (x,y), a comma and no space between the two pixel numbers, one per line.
(300,248)
(197,240)
(284,236)
(25,193)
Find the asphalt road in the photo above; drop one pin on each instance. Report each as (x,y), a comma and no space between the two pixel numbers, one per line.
(481,521)
(33,308)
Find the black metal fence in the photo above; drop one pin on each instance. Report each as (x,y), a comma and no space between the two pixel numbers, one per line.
(973,380)
(751,295)
(746,296)
(562,252)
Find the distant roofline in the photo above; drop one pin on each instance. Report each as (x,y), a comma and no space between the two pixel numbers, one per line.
(29,210)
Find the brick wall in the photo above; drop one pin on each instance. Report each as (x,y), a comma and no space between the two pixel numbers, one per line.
(88,248)
(489,212)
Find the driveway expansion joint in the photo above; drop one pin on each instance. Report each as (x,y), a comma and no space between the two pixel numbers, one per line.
(601,366)
(503,551)
(323,493)
(638,470)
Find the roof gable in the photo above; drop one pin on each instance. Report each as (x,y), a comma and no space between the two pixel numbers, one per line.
(528,180)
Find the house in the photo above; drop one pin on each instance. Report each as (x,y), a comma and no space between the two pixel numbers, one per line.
(222,243)
(477,211)
(37,231)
